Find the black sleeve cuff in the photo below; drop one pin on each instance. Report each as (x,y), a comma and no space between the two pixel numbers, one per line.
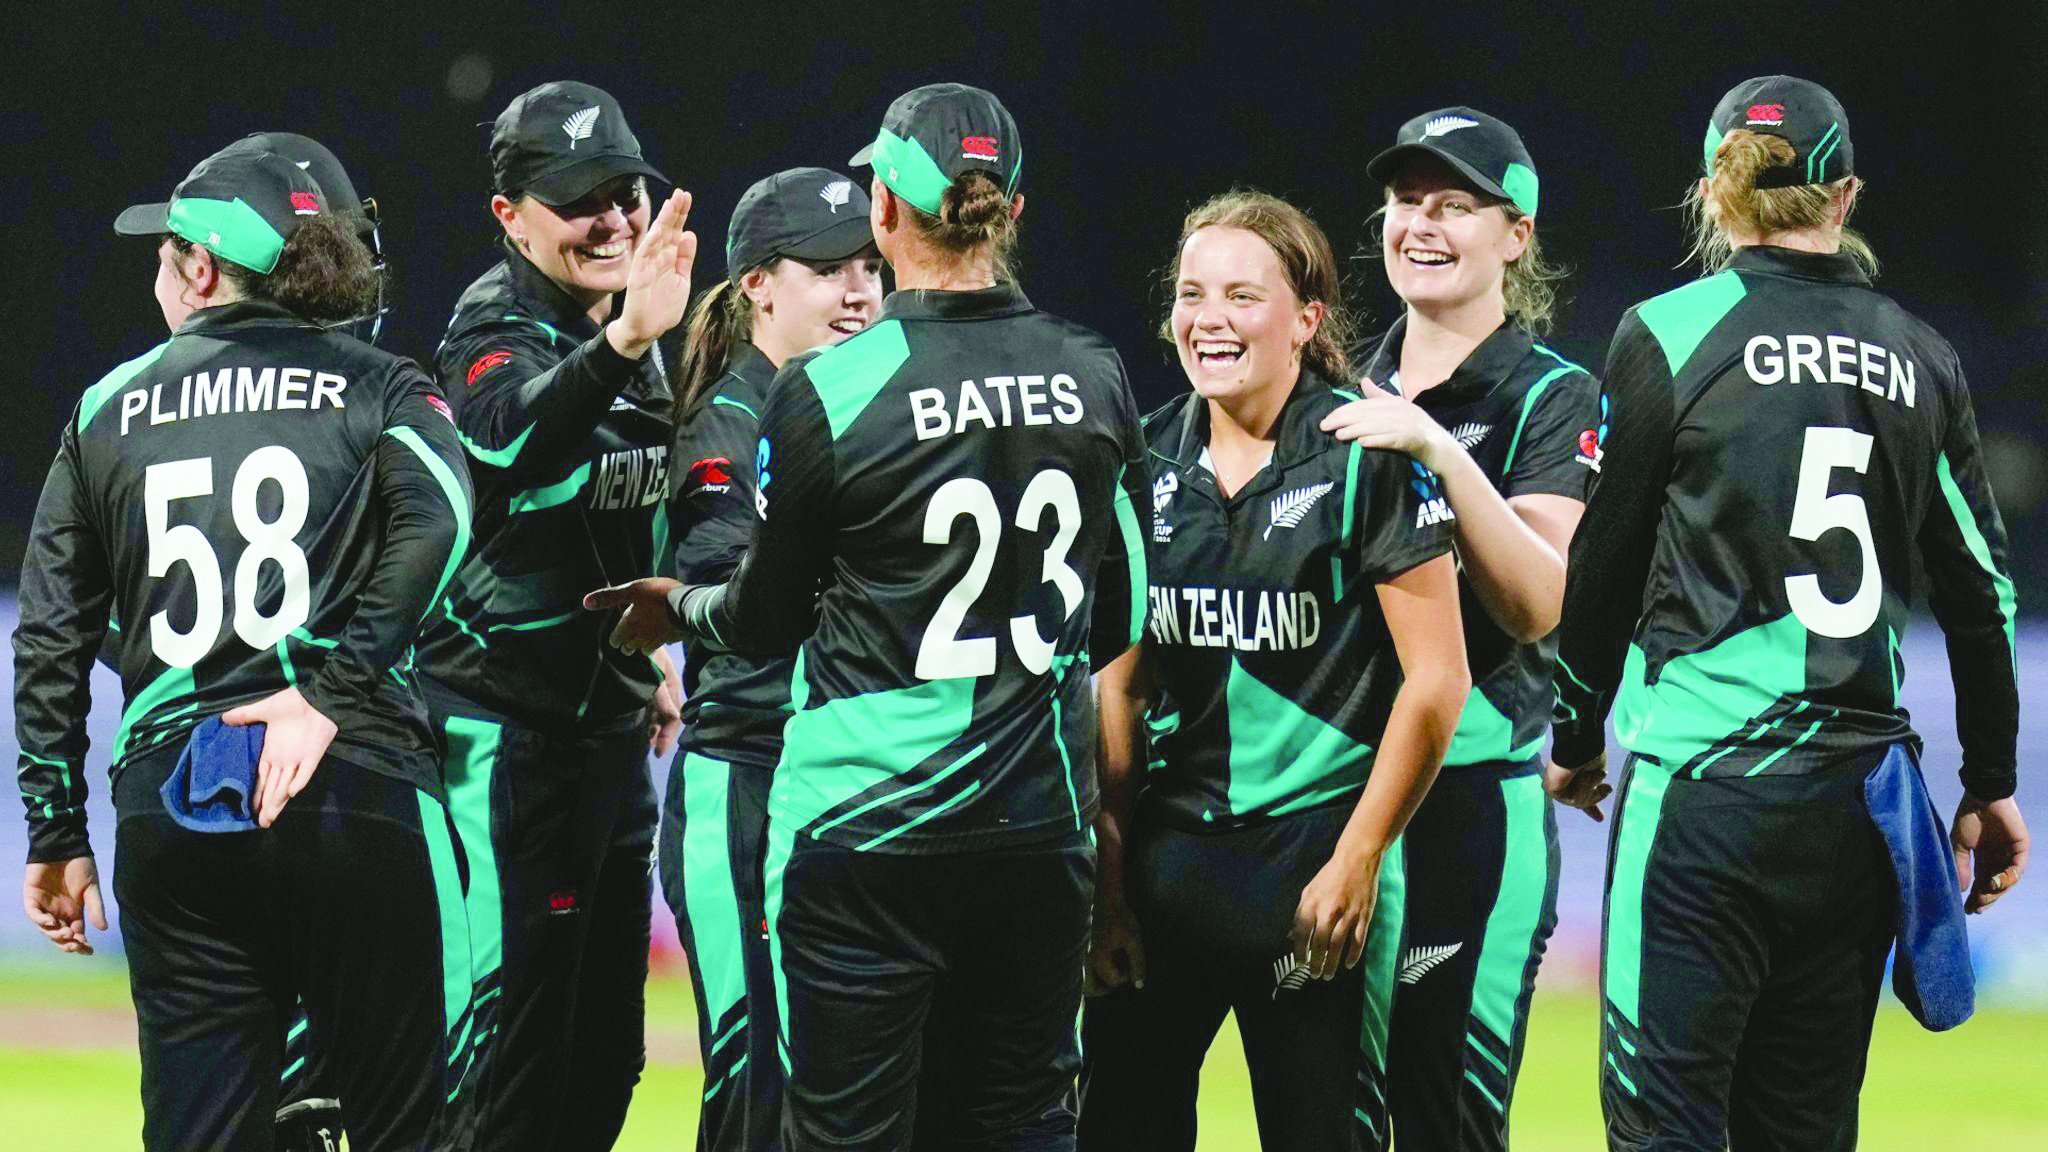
(58,840)
(1571,747)
(1989,785)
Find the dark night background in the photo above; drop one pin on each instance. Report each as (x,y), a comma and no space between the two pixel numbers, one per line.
(1130,113)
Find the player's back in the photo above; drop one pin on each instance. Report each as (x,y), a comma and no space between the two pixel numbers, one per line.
(230,474)
(1812,419)
(984,453)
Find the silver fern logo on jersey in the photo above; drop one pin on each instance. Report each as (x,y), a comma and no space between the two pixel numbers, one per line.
(1468,435)
(1445,125)
(1416,962)
(580,125)
(836,193)
(1290,508)
(1289,975)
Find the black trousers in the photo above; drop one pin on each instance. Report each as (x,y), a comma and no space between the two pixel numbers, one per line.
(1747,925)
(1216,912)
(340,905)
(1482,901)
(558,833)
(866,943)
(714,824)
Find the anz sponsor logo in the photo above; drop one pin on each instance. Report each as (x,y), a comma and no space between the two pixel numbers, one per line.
(1249,620)
(1431,508)
(634,478)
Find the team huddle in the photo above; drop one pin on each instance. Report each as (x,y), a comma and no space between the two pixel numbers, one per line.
(1018,737)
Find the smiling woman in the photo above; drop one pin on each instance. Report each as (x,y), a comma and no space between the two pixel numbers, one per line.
(563,402)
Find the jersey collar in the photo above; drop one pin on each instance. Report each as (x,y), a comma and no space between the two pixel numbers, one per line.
(1485,368)
(1833,267)
(751,366)
(544,298)
(1296,437)
(243,312)
(980,304)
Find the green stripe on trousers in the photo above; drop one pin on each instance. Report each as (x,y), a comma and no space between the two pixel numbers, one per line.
(456,978)
(709,897)
(1517,915)
(472,759)
(1382,963)
(1635,834)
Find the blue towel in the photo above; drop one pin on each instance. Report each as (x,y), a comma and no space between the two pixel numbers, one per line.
(1931,971)
(213,788)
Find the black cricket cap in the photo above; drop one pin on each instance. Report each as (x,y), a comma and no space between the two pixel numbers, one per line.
(808,213)
(239,205)
(1804,113)
(558,141)
(312,158)
(1481,148)
(931,135)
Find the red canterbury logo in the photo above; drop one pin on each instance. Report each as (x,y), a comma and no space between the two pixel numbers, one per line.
(1589,442)
(305,203)
(711,472)
(978,147)
(441,406)
(485,363)
(561,902)
(1772,114)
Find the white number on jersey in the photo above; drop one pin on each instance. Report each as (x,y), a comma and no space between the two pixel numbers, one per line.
(942,654)
(1815,512)
(271,541)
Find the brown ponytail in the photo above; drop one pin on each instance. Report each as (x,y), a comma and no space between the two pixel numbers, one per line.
(1732,203)
(720,320)
(974,222)
(1305,256)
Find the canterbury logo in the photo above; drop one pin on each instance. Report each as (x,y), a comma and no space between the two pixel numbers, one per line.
(1417,963)
(1445,125)
(1289,975)
(580,125)
(836,193)
(1469,435)
(1289,508)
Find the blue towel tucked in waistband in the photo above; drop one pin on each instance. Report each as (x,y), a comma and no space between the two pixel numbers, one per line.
(1931,969)
(213,788)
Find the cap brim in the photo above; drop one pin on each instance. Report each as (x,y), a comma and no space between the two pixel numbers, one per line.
(1383,166)
(864,157)
(568,185)
(144,220)
(846,238)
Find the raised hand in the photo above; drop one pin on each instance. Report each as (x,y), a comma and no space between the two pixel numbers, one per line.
(657,280)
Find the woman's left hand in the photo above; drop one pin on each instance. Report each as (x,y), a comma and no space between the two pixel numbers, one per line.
(1335,913)
(1382,419)
(645,624)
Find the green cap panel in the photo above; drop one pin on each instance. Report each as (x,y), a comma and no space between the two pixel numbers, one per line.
(1713,144)
(1519,182)
(909,171)
(230,229)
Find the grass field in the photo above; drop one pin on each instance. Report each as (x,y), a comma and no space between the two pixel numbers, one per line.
(1979,1087)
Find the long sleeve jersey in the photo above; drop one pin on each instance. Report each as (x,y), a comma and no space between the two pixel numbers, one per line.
(735,704)
(1530,419)
(260,503)
(568,442)
(960,480)
(1783,440)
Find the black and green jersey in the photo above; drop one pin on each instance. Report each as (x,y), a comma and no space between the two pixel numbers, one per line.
(569,443)
(1784,440)
(259,502)
(1275,668)
(1531,420)
(959,480)
(734,704)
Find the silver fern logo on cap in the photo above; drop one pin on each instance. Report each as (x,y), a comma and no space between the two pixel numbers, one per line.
(1445,125)
(1290,508)
(580,125)
(836,193)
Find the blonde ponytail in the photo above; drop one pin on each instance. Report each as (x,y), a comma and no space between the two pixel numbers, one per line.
(1732,204)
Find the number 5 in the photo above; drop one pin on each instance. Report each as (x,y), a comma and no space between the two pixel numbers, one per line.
(1815,512)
